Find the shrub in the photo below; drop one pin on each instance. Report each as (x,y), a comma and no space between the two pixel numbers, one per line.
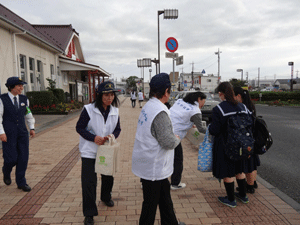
(40,98)
(59,95)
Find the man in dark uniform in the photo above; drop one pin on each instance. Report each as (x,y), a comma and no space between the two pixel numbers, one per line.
(14,108)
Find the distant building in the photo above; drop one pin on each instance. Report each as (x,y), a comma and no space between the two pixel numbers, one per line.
(263,83)
(284,84)
(197,80)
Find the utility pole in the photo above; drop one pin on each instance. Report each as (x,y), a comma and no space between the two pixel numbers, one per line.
(297,74)
(218,53)
(258,77)
(192,74)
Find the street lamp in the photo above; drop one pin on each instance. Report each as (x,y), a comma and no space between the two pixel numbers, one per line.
(292,73)
(240,70)
(146,62)
(168,14)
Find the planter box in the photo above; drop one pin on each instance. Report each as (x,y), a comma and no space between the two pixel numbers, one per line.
(54,112)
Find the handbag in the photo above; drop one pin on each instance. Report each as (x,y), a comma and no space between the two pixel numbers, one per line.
(205,153)
(107,157)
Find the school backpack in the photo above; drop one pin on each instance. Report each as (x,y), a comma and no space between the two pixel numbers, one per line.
(239,142)
(262,136)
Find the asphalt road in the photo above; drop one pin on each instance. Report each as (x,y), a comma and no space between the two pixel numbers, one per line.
(281,165)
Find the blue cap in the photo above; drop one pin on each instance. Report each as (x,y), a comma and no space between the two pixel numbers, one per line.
(106,87)
(160,82)
(11,81)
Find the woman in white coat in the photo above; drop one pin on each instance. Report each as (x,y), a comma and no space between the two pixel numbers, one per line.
(141,98)
(184,114)
(97,122)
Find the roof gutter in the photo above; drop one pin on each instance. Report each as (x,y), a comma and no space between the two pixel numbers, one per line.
(15,52)
(33,35)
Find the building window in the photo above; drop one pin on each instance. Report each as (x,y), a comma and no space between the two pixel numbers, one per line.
(31,71)
(53,77)
(208,80)
(23,70)
(39,75)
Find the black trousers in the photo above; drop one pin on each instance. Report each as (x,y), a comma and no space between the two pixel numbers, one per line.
(133,103)
(157,193)
(89,186)
(178,165)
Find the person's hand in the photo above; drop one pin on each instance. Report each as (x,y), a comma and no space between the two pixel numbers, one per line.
(100,140)
(3,138)
(177,136)
(32,133)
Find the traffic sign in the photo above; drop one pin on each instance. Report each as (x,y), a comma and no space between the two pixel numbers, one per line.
(171,55)
(179,60)
(171,44)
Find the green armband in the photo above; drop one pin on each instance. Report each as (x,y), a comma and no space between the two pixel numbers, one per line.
(27,110)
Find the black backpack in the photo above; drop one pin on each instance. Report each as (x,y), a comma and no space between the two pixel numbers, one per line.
(239,142)
(262,136)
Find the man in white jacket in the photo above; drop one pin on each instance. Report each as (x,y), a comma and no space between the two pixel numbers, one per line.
(153,154)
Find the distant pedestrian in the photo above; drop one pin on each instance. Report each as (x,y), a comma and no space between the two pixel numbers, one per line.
(97,122)
(184,114)
(253,162)
(223,167)
(133,98)
(153,154)
(141,98)
(14,108)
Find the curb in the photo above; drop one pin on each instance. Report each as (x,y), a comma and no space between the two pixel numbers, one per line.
(295,205)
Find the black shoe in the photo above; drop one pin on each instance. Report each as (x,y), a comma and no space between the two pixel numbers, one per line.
(110,203)
(7,180)
(88,220)
(25,188)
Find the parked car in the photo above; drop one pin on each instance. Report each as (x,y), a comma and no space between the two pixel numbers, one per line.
(206,110)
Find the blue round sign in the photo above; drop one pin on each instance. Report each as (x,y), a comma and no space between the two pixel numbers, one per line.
(171,44)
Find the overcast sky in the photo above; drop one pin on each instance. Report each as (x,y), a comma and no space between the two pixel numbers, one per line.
(253,34)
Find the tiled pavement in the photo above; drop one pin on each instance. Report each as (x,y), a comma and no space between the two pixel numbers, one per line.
(54,173)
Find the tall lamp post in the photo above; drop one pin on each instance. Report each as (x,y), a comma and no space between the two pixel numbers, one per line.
(168,14)
(240,70)
(292,74)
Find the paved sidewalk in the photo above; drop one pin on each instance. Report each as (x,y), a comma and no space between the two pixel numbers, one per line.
(54,174)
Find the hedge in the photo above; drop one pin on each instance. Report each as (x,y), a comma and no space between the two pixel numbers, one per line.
(59,95)
(42,98)
(273,96)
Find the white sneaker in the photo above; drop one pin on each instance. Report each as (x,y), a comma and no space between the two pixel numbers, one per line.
(179,186)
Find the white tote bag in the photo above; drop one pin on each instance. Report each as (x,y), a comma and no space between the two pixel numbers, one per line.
(106,159)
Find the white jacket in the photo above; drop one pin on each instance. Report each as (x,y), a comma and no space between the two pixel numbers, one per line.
(98,127)
(133,96)
(181,113)
(141,96)
(149,160)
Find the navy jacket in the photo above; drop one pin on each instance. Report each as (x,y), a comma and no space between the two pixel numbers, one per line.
(14,120)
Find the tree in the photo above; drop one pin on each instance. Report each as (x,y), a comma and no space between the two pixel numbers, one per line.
(131,82)
(237,83)
(51,85)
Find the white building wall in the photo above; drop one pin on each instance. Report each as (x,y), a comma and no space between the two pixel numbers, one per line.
(38,53)
(10,66)
(6,58)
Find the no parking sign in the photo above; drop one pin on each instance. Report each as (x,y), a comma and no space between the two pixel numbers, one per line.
(171,44)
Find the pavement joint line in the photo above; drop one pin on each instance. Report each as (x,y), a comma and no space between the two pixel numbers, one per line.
(25,208)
